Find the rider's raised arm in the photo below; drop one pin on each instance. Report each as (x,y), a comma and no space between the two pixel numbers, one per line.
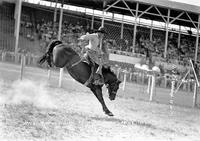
(87,37)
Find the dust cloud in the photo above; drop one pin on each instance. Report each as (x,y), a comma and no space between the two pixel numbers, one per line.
(26,91)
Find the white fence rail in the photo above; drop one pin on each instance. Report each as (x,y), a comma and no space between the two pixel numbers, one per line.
(148,82)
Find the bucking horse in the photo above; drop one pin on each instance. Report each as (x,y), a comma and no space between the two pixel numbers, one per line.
(61,55)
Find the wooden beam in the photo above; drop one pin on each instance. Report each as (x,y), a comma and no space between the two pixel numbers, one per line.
(166,35)
(145,11)
(135,27)
(161,14)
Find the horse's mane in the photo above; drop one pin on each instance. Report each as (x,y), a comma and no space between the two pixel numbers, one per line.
(108,70)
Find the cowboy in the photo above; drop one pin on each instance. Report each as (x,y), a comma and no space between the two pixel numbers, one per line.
(96,52)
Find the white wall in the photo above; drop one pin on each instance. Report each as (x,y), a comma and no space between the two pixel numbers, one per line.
(123,58)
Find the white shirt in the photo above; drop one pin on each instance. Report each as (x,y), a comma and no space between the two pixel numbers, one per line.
(94,41)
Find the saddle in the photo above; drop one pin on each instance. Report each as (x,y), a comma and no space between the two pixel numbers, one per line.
(95,78)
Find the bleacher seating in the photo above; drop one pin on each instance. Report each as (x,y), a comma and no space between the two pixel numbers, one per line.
(37,28)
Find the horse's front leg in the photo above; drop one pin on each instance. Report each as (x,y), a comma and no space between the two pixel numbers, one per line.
(97,90)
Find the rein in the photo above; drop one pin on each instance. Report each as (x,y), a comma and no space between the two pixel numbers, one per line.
(71,65)
(76,63)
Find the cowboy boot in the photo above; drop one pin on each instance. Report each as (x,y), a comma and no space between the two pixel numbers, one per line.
(98,77)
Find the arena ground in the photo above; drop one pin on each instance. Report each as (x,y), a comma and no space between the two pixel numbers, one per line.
(36,109)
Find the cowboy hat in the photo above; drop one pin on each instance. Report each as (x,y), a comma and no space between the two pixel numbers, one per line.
(102,30)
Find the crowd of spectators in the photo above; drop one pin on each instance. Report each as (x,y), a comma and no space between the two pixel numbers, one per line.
(45,31)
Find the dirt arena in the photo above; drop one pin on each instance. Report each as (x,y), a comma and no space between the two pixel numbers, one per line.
(36,109)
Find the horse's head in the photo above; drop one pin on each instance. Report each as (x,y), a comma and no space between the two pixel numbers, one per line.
(113,88)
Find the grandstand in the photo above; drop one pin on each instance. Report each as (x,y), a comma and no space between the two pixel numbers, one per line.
(37,29)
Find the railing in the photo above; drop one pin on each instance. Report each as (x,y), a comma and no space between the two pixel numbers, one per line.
(147,81)
(134,76)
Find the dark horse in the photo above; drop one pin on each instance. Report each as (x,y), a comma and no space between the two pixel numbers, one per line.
(62,55)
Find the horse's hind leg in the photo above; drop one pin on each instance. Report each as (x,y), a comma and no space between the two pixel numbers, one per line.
(97,90)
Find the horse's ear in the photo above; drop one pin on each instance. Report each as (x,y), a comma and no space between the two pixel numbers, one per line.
(118,81)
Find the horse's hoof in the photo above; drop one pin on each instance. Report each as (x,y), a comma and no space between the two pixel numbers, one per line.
(109,114)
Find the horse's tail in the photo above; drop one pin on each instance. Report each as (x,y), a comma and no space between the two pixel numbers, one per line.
(42,59)
(48,54)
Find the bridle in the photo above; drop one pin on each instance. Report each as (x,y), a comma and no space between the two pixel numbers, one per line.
(112,87)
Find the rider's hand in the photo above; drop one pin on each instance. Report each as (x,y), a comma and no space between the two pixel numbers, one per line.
(102,53)
(79,39)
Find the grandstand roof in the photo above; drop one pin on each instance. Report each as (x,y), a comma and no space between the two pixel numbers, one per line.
(159,5)
(172,5)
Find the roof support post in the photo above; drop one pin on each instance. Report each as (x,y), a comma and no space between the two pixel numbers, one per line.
(122,27)
(92,23)
(112,17)
(135,27)
(103,18)
(103,12)
(197,39)
(55,16)
(179,37)
(60,23)
(55,12)
(17,26)
(167,32)
(151,31)
(194,104)
(59,38)
(102,22)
